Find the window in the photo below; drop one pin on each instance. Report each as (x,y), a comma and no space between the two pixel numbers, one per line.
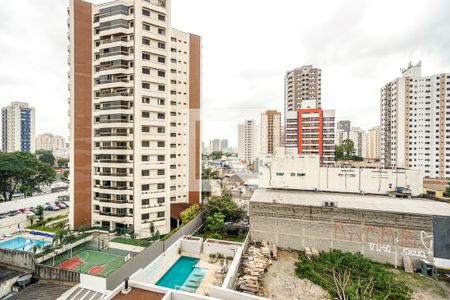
(146,100)
(161,102)
(145,143)
(160,200)
(146,12)
(145,158)
(161,59)
(161,116)
(161,45)
(145,114)
(145,56)
(161,144)
(145,41)
(160,214)
(161,130)
(161,74)
(145,201)
(161,31)
(279,174)
(145,216)
(161,17)
(145,172)
(145,187)
(145,129)
(161,158)
(146,71)
(161,186)
(146,85)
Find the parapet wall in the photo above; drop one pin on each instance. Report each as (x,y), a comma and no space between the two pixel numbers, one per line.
(382,236)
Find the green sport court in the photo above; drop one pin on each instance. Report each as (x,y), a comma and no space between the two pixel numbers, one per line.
(88,261)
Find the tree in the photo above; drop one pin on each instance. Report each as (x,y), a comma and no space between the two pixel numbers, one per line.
(189,213)
(225,206)
(216,155)
(63,163)
(210,174)
(46,156)
(339,152)
(348,148)
(215,222)
(21,171)
(154,233)
(40,213)
(65,176)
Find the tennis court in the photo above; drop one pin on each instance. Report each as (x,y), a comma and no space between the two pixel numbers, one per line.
(88,261)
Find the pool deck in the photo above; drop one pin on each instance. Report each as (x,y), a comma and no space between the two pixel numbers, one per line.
(211,278)
(27,235)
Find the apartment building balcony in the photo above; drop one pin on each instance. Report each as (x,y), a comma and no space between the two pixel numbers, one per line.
(113,214)
(108,200)
(109,187)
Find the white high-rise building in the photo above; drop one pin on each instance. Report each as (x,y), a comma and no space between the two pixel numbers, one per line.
(248,141)
(374,143)
(135,115)
(214,145)
(49,141)
(18,127)
(359,139)
(415,122)
(270,131)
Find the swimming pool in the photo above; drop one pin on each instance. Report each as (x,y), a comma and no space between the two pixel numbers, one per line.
(23,244)
(183,275)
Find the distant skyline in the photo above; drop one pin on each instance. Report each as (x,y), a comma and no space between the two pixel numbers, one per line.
(359,45)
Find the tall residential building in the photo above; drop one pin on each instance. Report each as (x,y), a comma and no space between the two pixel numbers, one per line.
(135,115)
(374,143)
(414,122)
(224,145)
(344,125)
(270,131)
(49,141)
(311,130)
(18,127)
(248,141)
(214,145)
(359,139)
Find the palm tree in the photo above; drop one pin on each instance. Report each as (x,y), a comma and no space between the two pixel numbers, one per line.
(210,174)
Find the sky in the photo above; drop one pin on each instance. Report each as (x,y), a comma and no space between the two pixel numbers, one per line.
(247,47)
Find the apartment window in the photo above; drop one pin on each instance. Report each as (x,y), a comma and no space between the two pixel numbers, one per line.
(145,172)
(145,41)
(145,201)
(161,130)
(161,102)
(146,26)
(161,59)
(161,17)
(146,114)
(161,158)
(161,116)
(161,45)
(146,71)
(161,74)
(145,143)
(161,172)
(146,100)
(160,214)
(161,186)
(145,187)
(145,129)
(279,174)
(146,85)
(160,200)
(145,216)
(173,39)
(161,144)
(145,56)
(146,12)
(145,158)
(161,31)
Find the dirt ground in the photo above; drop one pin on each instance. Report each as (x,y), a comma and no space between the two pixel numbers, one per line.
(281,283)
(425,288)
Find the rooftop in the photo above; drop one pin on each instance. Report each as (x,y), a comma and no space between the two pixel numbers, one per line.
(41,291)
(6,274)
(140,294)
(353,201)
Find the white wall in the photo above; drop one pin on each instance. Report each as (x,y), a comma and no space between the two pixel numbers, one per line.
(210,247)
(31,201)
(191,246)
(94,283)
(221,293)
(303,172)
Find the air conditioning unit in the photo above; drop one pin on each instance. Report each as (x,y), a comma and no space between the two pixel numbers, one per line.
(326,203)
(333,204)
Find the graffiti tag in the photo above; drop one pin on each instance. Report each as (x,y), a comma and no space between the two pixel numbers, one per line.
(413,252)
(380,248)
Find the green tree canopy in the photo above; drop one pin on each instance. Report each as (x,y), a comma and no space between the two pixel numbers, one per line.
(189,213)
(225,206)
(210,174)
(46,156)
(216,155)
(215,222)
(63,163)
(22,172)
(348,148)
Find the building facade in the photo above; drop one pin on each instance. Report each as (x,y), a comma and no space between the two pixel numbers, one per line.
(359,139)
(135,115)
(414,122)
(374,143)
(344,125)
(49,141)
(311,130)
(18,127)
(270,131)
(224,145)
(214,145)
(248,141)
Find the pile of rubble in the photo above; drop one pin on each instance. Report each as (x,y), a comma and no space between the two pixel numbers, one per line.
(254,263)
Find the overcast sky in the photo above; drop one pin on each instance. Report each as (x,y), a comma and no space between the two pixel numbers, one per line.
(248,45)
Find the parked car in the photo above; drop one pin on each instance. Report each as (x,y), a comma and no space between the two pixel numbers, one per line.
(13,213)
(3,215)
(29,213)
(23,210)
(61,205)
(51,208)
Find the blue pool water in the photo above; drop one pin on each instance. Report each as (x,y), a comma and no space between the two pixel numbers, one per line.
(23,244)
(183,275)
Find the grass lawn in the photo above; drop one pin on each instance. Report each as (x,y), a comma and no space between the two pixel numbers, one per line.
(424,285)
(133,242)
(44,228)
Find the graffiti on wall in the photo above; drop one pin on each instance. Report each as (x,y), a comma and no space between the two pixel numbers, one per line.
(383,239)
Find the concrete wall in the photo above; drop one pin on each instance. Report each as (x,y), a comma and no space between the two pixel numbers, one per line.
(211,246)
(17,259)
(10,224)
(31,201)
(381,236)
(51,273)
(95,283)
(234,267)
(191,245)
(303,172)
(222,293)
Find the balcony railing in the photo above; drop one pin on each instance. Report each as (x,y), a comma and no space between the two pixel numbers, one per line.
(114,161)
(113,54)
(112,81)
(114,148)
(113,94)
(110,134)
(107,187)
(111,200)
(112,214)
(121,39)
(112,174)
(113,67)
